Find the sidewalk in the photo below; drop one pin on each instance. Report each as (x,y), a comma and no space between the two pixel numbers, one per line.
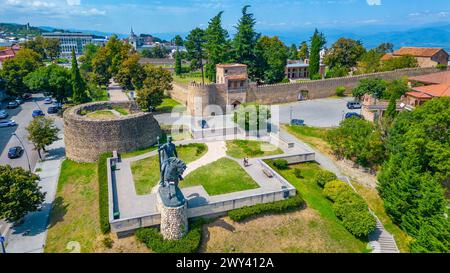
(30,236)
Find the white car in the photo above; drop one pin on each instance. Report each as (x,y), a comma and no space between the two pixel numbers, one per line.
(7,123)
(3,114)
(48,101)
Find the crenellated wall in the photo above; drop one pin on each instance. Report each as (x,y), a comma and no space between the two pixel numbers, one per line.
(198,96)
(86,138)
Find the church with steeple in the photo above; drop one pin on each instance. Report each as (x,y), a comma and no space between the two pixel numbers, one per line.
(134,40)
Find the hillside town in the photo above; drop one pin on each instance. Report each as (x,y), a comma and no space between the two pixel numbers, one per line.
(220,142)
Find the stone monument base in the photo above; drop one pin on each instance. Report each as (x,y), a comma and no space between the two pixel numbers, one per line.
(174,220)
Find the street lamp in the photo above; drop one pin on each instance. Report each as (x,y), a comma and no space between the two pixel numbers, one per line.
(26,153)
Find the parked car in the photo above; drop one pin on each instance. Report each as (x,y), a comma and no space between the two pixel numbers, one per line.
(19,100)
(12,105)
(27,96)
(48,100)
(7,123)
(58,105)
(3,114)
(15,152)
(353,105)
(298,122)
(52,110)
(353,115)
(37,113)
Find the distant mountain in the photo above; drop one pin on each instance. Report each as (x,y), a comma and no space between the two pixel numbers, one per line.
(21,30)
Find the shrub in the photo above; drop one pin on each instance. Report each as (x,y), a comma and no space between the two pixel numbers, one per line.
(103,192)
(291,204)
(323,177)
(298,173)
(441,66)
(281,164)
(108,242)
(190,243)
(340,91)
(350,208)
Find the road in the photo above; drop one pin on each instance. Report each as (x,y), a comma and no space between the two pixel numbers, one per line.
(22,116)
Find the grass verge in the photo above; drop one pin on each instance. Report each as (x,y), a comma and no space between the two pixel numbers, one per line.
(220,177)
(250,148)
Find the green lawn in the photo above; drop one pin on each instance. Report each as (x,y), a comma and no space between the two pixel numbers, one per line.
(316,200)
(138,152)
(146,171)
(101,114)
(74,217)
(249,148)
(186,78)
(220,177)
(167,105)
(121,110)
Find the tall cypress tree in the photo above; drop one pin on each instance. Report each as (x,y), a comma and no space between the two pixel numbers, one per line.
(178,60)
(317,43)
(78,85)
(245,41)
(216,45)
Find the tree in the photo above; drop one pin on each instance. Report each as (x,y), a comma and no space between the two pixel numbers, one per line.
(216,45)
(53,78)
(318,41)
(370,62)
(245,40)
(117,51)
(15,70)
(271,57)
(46,48)
(412,182)
(376,87)
(194,44)
(406,61)
(130,73)
(19,193)
(358,140)
(156,82)
(384,48)
(293,52)
(101,66)
(42,132)
(178,59)
(304,51)
(396,88)
(79,94)
(90,51)
(344,53)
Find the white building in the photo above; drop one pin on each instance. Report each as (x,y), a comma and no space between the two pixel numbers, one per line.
(69,41)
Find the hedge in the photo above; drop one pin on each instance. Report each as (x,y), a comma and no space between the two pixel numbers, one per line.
(190,243)
(281,164)
(103,192)
(350,208)
(291,204)
(323,177)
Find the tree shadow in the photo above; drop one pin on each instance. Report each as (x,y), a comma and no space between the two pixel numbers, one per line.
(59,210)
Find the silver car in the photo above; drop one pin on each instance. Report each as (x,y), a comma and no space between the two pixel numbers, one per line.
(3,114)
(7,123)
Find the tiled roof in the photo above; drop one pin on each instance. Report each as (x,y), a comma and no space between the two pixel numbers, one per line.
(386,57)
(231,65)
(419,95)
(417,51)
(435,78)
(436,90)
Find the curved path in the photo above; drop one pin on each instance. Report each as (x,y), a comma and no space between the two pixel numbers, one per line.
(380,240)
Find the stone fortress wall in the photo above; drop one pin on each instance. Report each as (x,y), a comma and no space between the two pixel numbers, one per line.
(87,138)
(277,93)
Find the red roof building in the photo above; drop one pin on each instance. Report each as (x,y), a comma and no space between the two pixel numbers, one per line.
(426,56)
(9,53)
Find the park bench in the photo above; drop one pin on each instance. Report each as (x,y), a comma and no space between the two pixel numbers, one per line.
(268,173)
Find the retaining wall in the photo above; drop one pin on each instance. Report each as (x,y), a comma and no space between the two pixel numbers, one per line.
(86,138)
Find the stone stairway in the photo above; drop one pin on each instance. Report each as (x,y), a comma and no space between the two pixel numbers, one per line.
(382,241)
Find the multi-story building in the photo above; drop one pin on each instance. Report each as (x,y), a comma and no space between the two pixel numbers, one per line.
(300,70)
(69,41)
(425,56)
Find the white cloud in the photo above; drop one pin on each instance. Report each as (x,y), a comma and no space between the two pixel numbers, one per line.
(374,2)
(73,2)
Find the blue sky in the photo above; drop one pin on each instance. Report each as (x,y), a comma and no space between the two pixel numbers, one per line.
(153,16)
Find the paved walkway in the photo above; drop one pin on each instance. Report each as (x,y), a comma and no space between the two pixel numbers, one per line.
(216,151)
(116,93)
(380,240)
(30,236)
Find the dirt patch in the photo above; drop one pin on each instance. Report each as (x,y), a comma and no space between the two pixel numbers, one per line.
(301,231)
(120,245)
(357,173)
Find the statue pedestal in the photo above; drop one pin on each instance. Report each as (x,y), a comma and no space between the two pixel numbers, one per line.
(174,216)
